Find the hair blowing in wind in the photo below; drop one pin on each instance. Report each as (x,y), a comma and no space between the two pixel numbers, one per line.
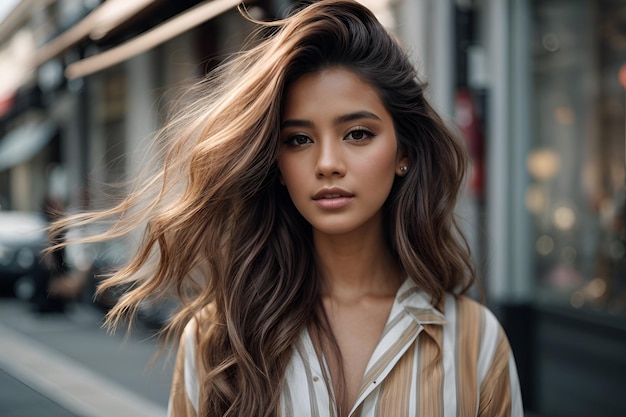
(220,230)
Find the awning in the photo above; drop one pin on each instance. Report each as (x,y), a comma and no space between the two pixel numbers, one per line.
(23,143)
(152,38)
(96,24)
(113,13)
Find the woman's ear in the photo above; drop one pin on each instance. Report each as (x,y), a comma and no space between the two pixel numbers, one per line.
(402,166)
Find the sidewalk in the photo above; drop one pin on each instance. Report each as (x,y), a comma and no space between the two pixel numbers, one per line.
(19,400)
(69,383)
(66,366)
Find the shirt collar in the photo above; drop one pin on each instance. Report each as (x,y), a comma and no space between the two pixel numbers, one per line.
(417,304)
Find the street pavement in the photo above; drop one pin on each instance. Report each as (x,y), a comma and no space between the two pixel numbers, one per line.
(18,399)
(66,365)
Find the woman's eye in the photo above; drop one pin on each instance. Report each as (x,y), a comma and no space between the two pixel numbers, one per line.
(298,140)
(359,135)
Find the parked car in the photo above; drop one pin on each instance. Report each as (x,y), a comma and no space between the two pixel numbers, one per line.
(22,237)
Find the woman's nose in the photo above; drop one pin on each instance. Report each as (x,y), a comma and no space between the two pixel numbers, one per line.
(330,160)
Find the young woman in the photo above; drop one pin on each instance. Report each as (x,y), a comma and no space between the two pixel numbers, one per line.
(304,214)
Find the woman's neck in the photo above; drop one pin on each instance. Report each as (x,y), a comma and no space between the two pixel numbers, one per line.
(357,266)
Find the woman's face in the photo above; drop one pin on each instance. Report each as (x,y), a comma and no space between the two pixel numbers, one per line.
(339,154)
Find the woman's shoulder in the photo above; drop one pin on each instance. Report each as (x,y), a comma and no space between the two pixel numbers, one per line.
(472,310)
(484,354)
(475,323)
(477,332)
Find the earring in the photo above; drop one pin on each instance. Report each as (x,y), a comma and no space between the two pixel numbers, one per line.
(404,168)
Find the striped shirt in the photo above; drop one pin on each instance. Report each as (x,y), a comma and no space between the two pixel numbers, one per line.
(452,361)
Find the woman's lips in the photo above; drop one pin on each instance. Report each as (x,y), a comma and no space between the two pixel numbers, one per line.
(332,201)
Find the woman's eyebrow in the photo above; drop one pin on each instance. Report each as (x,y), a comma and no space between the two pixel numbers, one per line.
(296,123)
(363,114)
(337,121)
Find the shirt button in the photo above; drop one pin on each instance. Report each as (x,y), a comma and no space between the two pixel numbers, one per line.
(315,379)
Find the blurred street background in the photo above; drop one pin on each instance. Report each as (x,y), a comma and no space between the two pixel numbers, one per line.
(66,365)
(537,88)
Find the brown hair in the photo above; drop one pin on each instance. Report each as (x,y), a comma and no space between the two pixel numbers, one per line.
(221,231)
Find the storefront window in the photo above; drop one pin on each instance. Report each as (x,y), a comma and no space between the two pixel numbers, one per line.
(108,147)
(576,164)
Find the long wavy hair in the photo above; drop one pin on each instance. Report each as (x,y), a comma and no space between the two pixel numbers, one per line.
(221,231)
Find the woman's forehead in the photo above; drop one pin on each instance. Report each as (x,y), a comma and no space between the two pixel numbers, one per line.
(330,91)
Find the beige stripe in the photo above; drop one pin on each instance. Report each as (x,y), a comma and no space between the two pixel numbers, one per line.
(392,323)
(425,316)
(431,373)
(394,399)
(495,390)
(418,384)
(386,359)
(469,314)
(406,294)
(433,332)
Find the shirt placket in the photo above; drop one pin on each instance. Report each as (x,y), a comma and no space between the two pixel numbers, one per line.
(394,343)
